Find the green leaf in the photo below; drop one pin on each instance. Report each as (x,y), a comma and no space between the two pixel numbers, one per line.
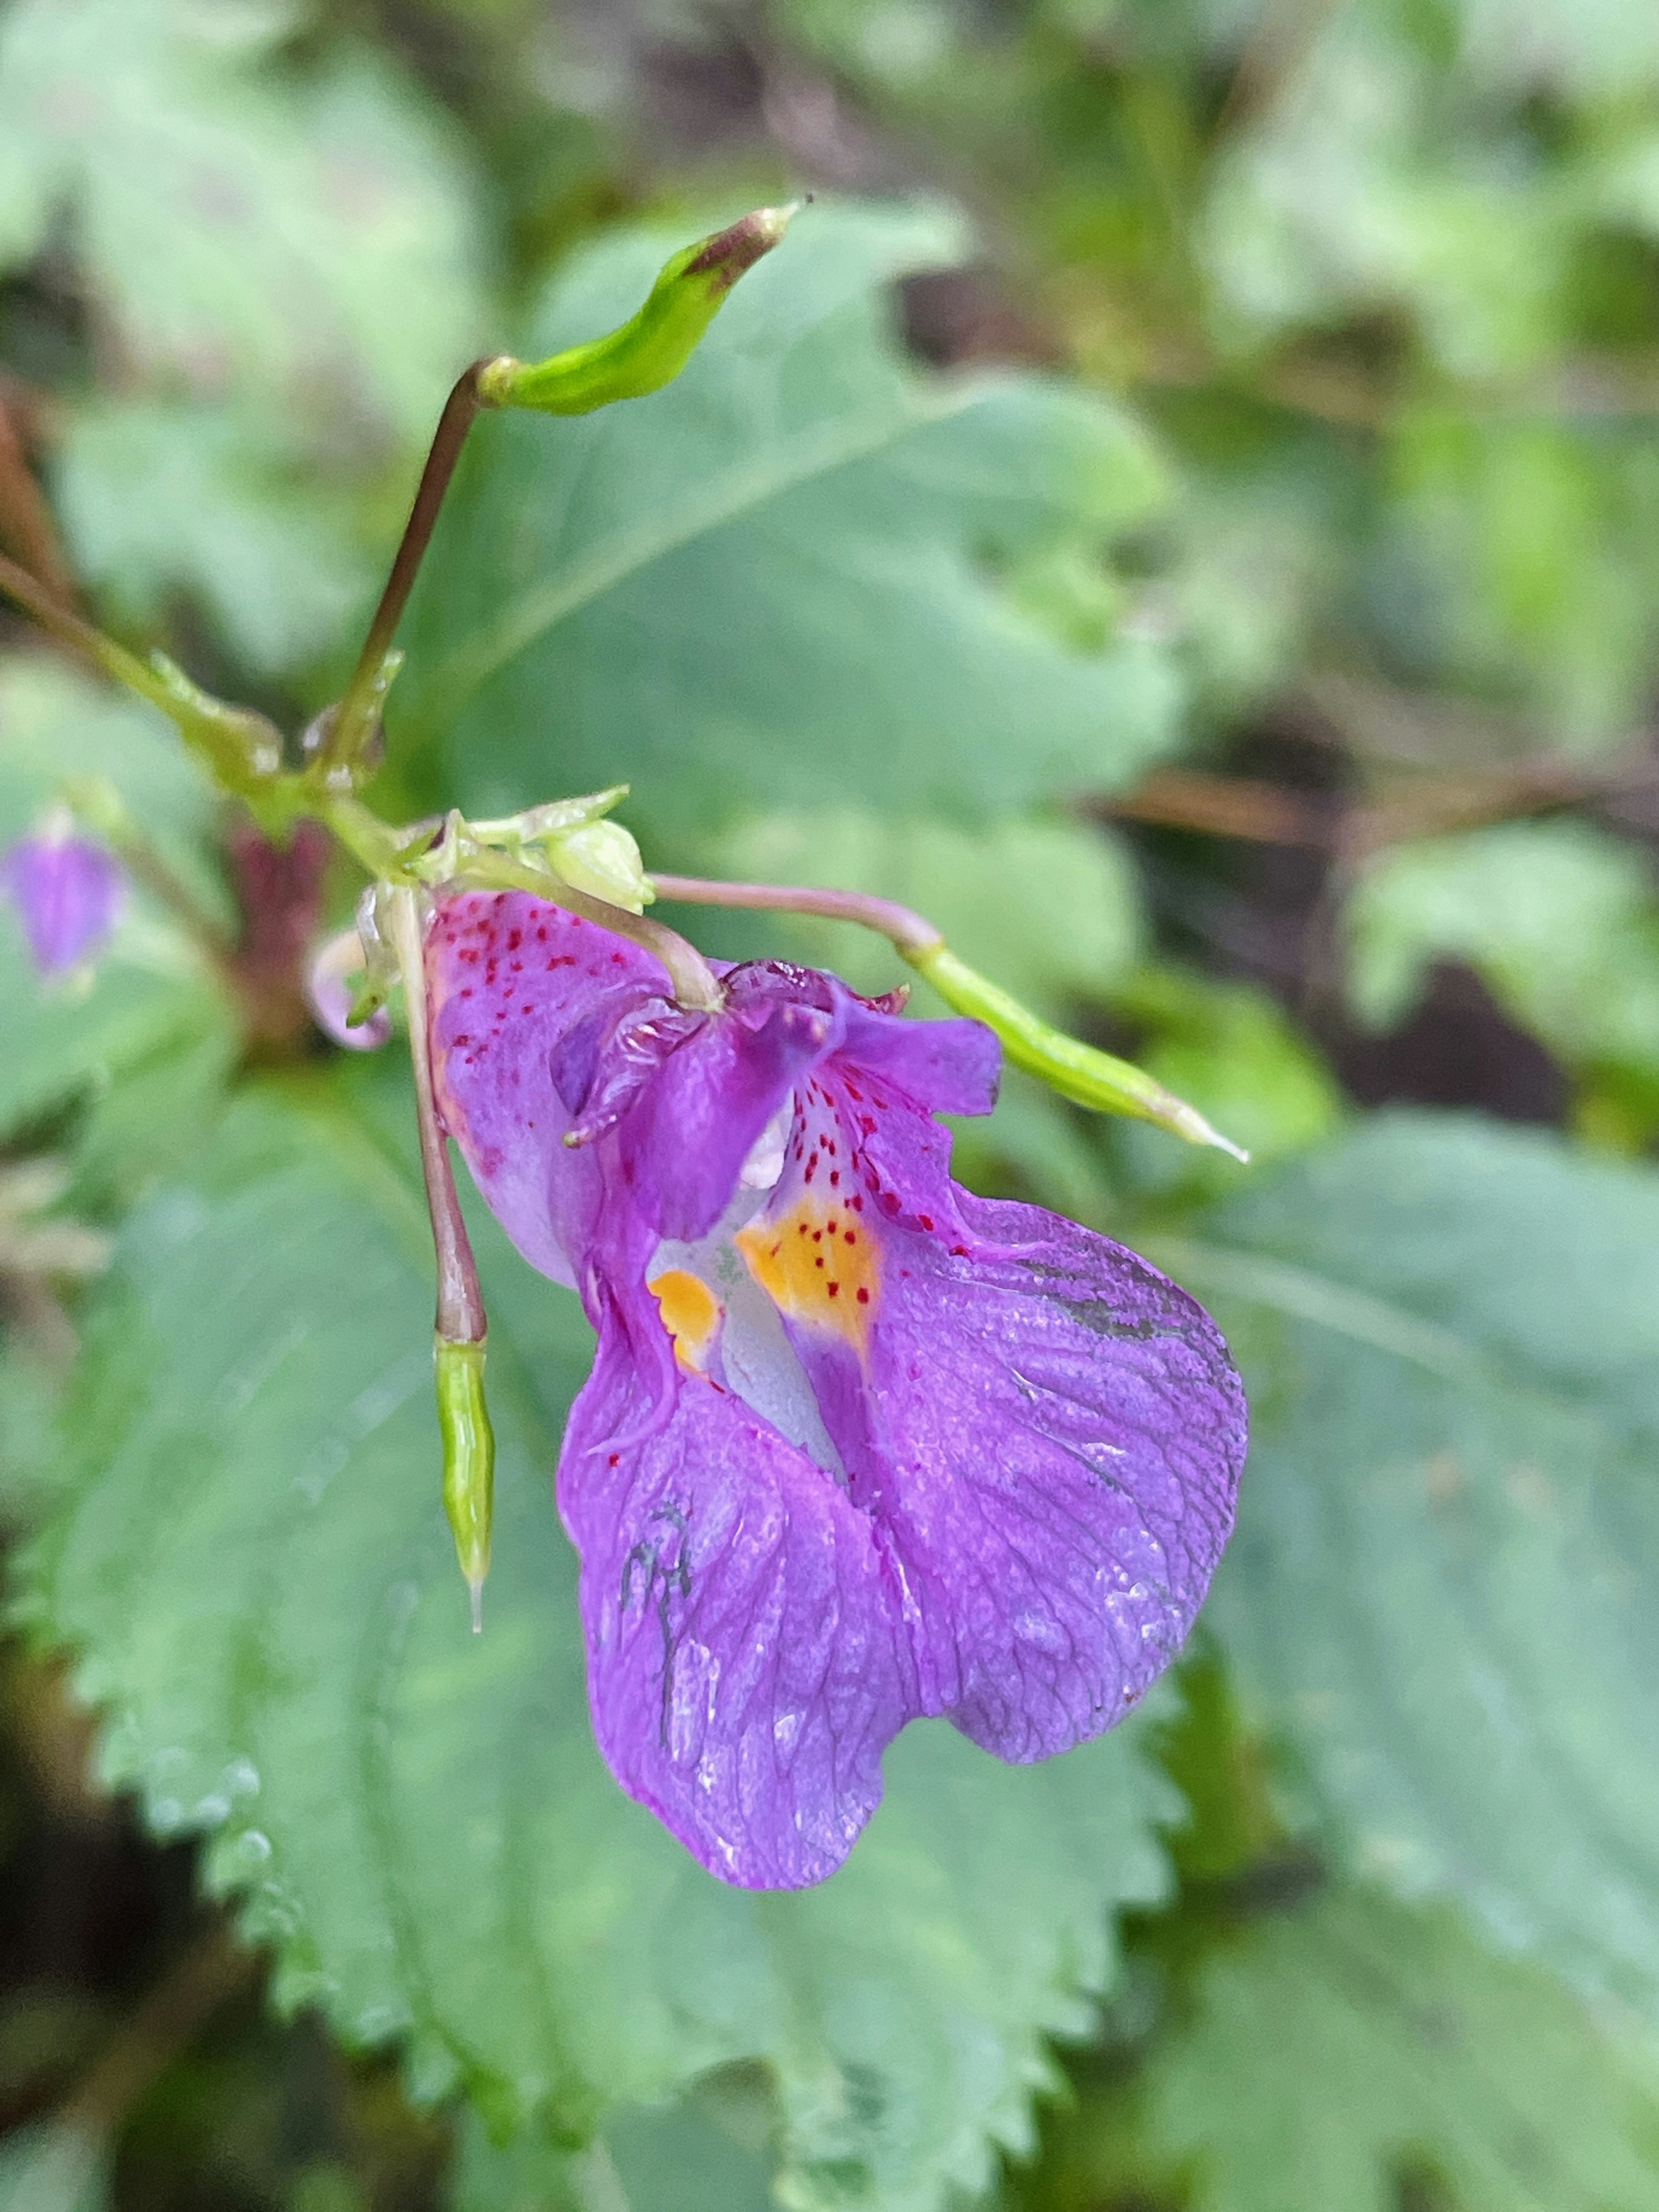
(157,498)
(254,1565)
(1365,188)
(1558,918)
(304,237)
(709,2153)
(1519,557)
(1439,1594)
(1352,2056)
(663,591)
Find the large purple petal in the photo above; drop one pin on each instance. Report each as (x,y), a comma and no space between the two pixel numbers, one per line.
(745,1665)
(1047,1432)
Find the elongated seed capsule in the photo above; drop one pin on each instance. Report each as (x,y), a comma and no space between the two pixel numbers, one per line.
(1066,1064)
(469,1444)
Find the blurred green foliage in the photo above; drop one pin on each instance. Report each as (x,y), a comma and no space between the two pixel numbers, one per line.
(1257,396)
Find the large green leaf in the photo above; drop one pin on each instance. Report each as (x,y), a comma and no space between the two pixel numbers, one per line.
(158,497)
(253,1562)
(1352,2056)
(663,591)
(1557,917)
(1440,1594)
(307,237)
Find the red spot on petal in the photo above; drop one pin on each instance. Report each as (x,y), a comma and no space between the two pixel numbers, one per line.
(834,1289)
(864,1297)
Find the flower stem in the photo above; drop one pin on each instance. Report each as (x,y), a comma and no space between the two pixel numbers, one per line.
(349,726)
(696,984)
(909,933)
(469,1441)
(1078,1071)
(460,1317)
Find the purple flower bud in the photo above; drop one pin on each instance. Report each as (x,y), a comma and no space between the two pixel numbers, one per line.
(68,895)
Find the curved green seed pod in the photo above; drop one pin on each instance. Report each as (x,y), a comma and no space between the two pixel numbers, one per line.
(469,1444)
(652,346)
(1066,1064)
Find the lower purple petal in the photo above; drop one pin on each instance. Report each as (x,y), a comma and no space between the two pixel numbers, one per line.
(1047,1432)
(745,1666)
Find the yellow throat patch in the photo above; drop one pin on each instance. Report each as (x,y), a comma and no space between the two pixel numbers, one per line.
(691,1313)
(818,1264)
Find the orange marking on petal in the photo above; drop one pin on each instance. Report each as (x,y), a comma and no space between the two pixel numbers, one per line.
(691,1313)
(783,1260)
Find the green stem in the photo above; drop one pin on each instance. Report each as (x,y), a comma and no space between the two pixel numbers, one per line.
(242,749)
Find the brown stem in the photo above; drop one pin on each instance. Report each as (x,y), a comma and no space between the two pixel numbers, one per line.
(213,1969)
(460,411)
(908,931)
(1229,806)
(460,1316)
(1226,807)
(25,521)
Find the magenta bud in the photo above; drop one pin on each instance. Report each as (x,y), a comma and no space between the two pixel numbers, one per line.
(68,894)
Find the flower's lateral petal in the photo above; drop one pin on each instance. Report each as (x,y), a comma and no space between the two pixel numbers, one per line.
(692,1130)
(510,978)
(745,1668)
(1047,1432)
(950,1067)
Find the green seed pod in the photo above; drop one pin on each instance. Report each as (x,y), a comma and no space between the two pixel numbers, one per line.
(469,1444)
(1066,1064)
(652,346)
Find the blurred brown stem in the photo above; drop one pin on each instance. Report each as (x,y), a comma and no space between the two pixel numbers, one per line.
(1264,813)
(26,522)
(461,410)
(215,1968)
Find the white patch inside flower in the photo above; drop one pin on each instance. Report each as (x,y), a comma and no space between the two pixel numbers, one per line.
(765,1164)
(760,1363)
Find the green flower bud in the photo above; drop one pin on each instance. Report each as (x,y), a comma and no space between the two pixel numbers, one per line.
(601,859)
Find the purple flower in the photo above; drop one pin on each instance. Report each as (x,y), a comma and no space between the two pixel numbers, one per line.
(68,894)
(857,1446)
